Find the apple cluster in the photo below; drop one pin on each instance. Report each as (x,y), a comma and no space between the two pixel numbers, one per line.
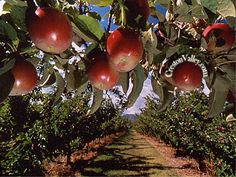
(123,50)
(51,31)
(186,73)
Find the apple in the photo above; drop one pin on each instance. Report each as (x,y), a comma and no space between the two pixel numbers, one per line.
(137,8)
(25,76)
(187,76)
(125,49)
(219,37)
(101,73)
(50,30)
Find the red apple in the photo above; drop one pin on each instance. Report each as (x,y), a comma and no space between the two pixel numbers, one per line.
(101,73)
(25,76)
(50,30)
(125,49)
(220,37)
(187,76)
(137,8)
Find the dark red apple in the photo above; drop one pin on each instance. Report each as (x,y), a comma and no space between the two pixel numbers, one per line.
(219,36)
(137,8)
(50,30)
(25,76)
(125,49)
(187,76)
(101,73)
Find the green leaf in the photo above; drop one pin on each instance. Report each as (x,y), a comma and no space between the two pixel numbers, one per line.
(8,30)
(44,78)
(226,8)
(164,93)
(138,80)
(7,66)
(60,87)
(150,43)
(97,101)
(210,5)
(217,98)
(16,2)
(6,84)
(124,81)
(100,2)
(75,77)
(18,17)
(89,27)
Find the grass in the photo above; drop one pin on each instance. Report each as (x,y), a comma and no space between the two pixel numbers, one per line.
(130,155)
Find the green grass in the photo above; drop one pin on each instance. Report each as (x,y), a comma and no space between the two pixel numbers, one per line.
(130,155)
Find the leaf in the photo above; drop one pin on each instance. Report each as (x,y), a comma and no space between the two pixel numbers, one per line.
(218,94)
(210,5)
(44,78)
(75,77)
(150,43)
(100,2)
(7,66)
(8,30)
(18,17)
(230,70)
(89,27)
(6,84)
(50,80)
(60,87)
(172,50)
(226,8)
(198,11)
(16,2)
(95,15)
(97,101)
(164,93)
(138,80)
(124,81)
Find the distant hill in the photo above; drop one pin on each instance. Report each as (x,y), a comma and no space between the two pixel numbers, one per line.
(131,117)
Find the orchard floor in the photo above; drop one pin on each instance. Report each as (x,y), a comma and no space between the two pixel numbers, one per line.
(138,155)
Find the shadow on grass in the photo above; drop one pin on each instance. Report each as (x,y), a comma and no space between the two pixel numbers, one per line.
(115,160)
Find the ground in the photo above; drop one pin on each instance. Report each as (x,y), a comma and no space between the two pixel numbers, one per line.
(139,155)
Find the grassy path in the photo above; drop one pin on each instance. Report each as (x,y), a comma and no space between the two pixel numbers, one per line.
(130,155)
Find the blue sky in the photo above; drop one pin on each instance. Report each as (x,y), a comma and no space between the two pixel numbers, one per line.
(104,22)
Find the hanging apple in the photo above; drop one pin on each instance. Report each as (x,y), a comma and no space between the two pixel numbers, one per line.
(101,73)
(125,49)
(219,36)
(187,76)
(25,76)
(50,30)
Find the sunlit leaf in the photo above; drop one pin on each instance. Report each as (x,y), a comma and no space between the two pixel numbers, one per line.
(60,87)
(138,80)
(97,101)
(100,2)
(124,81)
(218,94)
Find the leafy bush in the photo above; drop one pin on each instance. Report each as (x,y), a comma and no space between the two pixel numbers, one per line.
(33,130)
(185,126)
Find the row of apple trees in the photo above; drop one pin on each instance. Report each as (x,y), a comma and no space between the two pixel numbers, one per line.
(34,131)
(69,48)
(186,127)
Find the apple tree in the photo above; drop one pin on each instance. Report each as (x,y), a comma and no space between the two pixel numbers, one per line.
(191,43)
